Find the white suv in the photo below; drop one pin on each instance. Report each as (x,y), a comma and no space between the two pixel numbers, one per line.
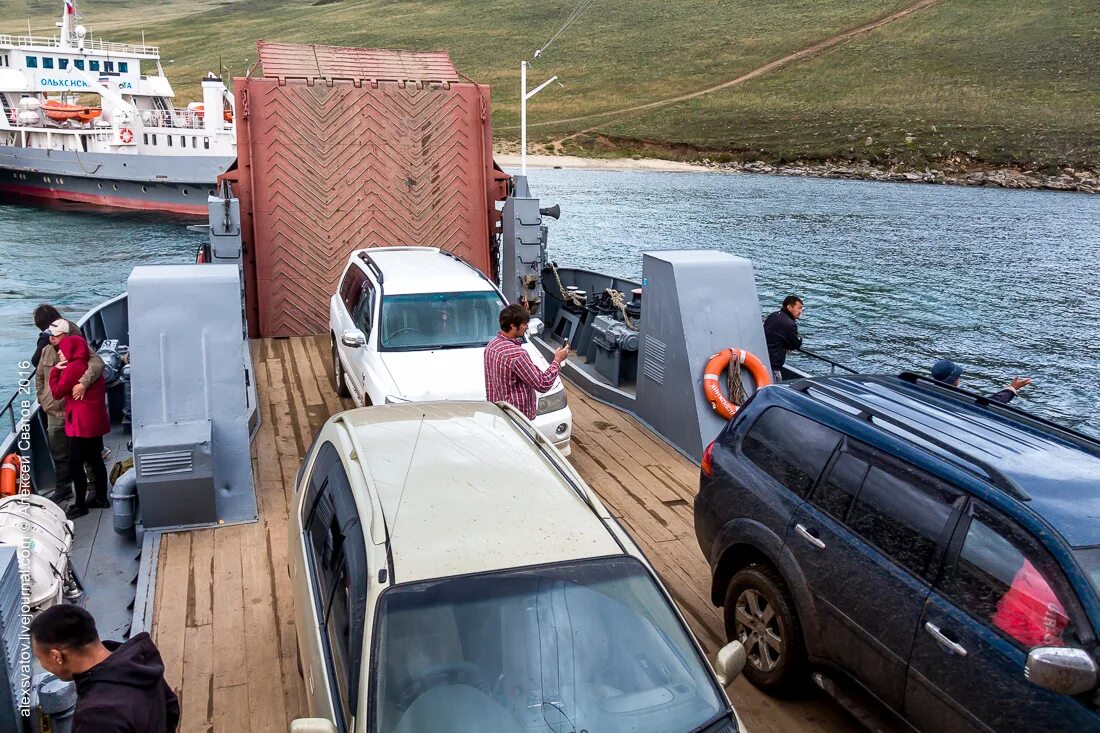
(410,324)
(451,572)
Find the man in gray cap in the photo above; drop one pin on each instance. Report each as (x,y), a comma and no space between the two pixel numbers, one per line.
(949,372)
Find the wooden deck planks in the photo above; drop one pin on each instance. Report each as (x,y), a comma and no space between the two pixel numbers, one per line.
(223,614)
(170,605)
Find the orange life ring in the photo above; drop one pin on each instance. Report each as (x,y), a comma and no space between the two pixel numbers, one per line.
(10,475)
(126,135)
(716,367)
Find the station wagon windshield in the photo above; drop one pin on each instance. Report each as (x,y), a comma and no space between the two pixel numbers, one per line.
(590,645)
(422,321)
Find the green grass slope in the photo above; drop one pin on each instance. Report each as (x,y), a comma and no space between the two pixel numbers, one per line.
(1002,82)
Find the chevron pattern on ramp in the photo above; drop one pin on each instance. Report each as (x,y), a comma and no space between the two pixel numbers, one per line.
(339,166)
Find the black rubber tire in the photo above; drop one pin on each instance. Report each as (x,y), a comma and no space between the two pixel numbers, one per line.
(790,675)
(298,656)
(338,373)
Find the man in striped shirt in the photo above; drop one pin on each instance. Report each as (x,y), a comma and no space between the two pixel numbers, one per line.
(510,374)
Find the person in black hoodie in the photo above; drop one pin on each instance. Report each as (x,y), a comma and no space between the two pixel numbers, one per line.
(120,687)
(781,333)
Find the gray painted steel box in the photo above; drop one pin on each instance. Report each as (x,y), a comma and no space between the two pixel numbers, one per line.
(175,473)
(187,363)
(695,303)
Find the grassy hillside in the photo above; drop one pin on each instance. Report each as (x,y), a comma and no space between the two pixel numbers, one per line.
(1002,82)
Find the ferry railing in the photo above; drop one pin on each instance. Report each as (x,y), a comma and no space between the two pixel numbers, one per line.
(93,44)
(8,415)
(22,424)
(833,365)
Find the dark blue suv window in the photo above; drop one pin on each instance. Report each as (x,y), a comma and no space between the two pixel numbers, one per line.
(1005,579)
(836,493)
(905,514)
(791,448)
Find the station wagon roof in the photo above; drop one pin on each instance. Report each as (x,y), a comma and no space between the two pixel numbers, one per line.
(424,270)
(1059,475)
(464,491)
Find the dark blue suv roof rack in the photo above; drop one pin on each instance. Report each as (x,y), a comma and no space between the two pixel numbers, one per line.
(1083,441)
(868,413)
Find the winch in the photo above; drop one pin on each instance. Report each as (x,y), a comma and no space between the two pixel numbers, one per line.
(614,348)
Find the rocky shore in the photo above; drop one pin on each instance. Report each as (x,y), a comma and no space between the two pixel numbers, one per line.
(955,172)
(958,169)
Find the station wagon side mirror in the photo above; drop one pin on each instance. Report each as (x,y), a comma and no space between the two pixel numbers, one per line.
(536,326)
(354,338)
(1064,670)
(312,725)
(729,662)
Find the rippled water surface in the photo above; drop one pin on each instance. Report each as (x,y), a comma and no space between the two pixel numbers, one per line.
(74,260)
(894,276)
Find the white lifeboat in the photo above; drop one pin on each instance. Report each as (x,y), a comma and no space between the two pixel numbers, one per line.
(42,538)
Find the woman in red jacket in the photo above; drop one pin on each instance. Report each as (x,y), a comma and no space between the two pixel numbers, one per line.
(86,420)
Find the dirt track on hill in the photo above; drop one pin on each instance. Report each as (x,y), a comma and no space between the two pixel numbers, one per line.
(799,55)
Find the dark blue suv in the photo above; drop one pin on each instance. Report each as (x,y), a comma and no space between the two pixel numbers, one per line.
(939,550)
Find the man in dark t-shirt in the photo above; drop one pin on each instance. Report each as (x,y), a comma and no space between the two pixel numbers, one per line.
(781,333)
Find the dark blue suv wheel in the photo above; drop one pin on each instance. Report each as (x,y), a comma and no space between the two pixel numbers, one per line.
(759,613)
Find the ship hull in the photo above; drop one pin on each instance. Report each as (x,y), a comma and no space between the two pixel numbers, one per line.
(174,184)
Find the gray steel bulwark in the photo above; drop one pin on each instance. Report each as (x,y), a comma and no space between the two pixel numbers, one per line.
(694,304)
(188,365)
(14,672)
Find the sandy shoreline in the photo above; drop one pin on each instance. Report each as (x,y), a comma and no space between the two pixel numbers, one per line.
(953,171)
(511,160)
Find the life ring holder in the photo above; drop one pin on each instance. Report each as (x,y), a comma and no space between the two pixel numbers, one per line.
(11,475)
(717,366)
(126,135)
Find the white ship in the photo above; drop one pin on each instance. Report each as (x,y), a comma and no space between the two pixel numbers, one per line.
(90,121)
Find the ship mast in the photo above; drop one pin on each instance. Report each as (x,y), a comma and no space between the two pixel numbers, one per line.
(68,15)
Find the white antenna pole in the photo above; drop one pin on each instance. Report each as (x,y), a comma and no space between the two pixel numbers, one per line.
(522,116)
(524,96)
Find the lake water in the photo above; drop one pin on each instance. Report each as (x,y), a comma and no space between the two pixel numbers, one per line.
(894,276)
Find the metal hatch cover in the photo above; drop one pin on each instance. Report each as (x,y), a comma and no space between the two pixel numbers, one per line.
(295,61)
(340,149)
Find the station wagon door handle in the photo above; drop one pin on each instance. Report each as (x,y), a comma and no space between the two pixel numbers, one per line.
(809,536)
(950,646)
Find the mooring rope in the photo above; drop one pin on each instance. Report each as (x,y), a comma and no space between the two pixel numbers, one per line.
(734,387)
(619,302)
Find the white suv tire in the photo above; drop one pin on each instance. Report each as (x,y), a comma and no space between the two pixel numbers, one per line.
(338,372)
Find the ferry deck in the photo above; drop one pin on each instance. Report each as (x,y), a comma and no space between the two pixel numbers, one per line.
(228,589)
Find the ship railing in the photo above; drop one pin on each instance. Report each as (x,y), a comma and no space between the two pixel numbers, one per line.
(22,423)
(178,118)
(13,414)
(90,44)
(800,369)
(46,122)
(833,365)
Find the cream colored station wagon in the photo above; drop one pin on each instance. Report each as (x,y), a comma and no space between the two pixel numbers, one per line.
(452,572)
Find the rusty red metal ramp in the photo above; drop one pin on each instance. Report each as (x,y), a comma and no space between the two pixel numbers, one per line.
(342,148)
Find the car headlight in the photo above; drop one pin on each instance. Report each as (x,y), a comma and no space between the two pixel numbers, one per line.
(552,402)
